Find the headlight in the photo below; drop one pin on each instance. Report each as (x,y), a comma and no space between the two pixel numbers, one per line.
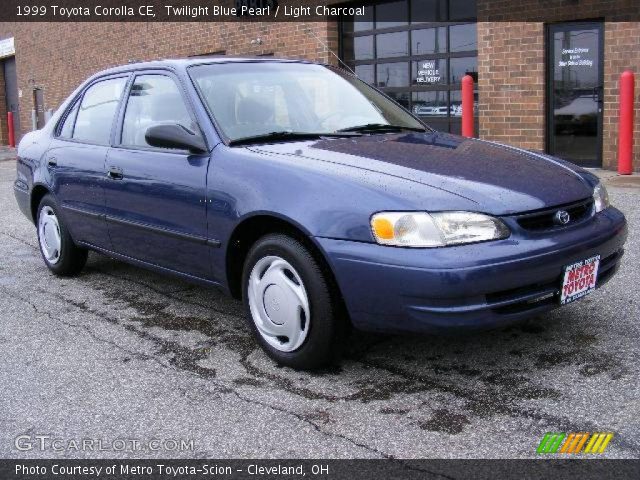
(420,229)
(600,197)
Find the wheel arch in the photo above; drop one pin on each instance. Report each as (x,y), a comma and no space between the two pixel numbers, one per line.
(37,194)
(251,229)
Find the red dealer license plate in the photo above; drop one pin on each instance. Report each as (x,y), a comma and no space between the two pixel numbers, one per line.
(579,279)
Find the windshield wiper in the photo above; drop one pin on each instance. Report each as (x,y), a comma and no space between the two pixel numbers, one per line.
(288,135)
(381,127)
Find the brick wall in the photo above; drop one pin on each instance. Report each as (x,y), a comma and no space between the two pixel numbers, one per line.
(512,66)
(81,49)
(621,52)
(511,83)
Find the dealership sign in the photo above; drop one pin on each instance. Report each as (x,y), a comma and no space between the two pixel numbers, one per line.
(428,73)
(574,57)
(7,47)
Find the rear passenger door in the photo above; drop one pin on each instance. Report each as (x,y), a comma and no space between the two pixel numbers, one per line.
(156,197)
(76,159)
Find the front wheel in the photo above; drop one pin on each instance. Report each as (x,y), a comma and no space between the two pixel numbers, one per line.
(59,252)
(291,308)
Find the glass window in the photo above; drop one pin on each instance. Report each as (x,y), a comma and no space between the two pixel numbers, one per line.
(463,37)
(438,40)
(462,9)
(429,72)
(428,11)
(249,99)
(363,48)
(462,66)
(392,74)
(358,48)
(428,41)
(456,103)
(66,131)
(392,45)
(154,100)
(365,73)
(403,98)
(95,116)
(431,104)
(392,14)
(364,22)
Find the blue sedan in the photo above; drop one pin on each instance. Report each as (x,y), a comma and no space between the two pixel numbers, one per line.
(314,198)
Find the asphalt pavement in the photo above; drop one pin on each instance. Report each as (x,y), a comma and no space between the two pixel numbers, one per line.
(123,353)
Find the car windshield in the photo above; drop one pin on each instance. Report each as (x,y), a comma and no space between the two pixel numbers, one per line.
(250,99)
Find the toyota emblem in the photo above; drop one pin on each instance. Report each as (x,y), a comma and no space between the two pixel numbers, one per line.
(562,217)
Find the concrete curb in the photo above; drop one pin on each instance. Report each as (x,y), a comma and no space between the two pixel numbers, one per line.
(630,183)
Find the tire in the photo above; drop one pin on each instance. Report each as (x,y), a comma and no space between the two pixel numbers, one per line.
(59,252)
(281,271)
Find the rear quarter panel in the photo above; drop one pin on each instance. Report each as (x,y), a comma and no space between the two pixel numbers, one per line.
(29,173)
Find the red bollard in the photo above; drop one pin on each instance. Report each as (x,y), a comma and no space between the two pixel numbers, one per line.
(12,133)
(467,106)
(625,129)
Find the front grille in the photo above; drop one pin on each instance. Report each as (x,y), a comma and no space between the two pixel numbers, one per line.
(545,219)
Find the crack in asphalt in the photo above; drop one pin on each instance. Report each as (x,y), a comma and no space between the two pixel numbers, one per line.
(483,404)
(91,333)
(556,422)
(25,242)
(173,347)
(171,294)
(223,388)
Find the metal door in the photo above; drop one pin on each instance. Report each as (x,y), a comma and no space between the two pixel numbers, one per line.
(11,92)
(575,92)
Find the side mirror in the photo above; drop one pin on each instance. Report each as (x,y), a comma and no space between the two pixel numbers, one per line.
(175,136)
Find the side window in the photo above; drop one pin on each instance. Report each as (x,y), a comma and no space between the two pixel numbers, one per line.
(66,130)
(154,100)
(95,117)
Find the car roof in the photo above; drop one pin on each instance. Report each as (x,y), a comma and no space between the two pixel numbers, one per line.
(182,63)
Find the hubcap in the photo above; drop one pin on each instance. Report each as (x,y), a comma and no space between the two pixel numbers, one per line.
(279,304)
(49,235)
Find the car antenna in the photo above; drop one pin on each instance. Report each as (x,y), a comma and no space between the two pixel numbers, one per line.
(308,31)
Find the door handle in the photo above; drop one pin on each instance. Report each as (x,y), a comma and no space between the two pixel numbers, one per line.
(52,162)
(115,173)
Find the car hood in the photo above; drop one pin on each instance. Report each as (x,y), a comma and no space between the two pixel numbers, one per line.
(494,178)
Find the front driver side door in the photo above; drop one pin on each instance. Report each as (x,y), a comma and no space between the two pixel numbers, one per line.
(156,197)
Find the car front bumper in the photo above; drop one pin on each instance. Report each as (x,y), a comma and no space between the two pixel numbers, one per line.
(475,286)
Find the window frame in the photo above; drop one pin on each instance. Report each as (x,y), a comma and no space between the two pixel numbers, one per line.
(65,116)
(117,138)
(78,101)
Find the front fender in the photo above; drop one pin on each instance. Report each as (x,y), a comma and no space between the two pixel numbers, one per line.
(325,199)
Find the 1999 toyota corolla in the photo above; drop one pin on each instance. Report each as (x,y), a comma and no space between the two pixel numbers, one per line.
(313,197)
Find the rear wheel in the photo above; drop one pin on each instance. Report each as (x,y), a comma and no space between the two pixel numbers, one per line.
(290,305)
(58,251)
